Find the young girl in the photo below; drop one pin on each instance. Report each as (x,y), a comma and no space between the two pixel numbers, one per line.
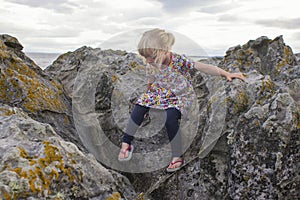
(169,89)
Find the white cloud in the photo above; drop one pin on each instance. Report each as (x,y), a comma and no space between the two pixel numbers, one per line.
(219,7)
(296,36)
(64,6)
(281,23)
(175,7)
(229,18)
(216,25)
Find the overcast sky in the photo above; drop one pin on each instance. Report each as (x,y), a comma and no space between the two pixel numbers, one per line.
(214,25)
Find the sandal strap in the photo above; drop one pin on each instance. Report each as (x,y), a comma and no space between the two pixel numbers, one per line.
(177,161)
(123,151)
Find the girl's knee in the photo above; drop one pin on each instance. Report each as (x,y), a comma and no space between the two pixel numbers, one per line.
(173,113)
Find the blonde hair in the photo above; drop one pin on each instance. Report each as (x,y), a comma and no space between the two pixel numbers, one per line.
(155,42)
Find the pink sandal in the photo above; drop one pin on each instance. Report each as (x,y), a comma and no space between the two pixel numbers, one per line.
(129,150)
(179,160)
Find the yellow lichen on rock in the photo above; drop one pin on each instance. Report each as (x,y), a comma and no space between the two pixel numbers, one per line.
(114,196)
(44,170)
(6,111)
(241,101)
(21,83)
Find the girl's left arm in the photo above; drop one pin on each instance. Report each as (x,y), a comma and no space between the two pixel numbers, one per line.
(215,71)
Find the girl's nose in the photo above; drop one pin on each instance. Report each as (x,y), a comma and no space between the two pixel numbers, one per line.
(149,60)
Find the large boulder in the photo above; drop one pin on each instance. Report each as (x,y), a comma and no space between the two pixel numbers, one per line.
(41,155)
(246,142)
(25,85)
(36,163)
(245,145)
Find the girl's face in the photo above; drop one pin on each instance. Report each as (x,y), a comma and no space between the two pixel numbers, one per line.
(151,59)
(150,56)
(155,58)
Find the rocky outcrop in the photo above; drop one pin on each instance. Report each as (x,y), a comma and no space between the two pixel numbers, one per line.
(256,155)
(263,146)
(26,85)
(252,154)
(298,58)
(36,163)
(40,156)
(245,144)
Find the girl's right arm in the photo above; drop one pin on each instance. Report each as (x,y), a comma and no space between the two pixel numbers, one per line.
(215,71)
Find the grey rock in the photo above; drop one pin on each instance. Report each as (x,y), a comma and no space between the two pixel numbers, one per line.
(36,163)
(11,42)
(246,145)
(25,85)
(242,158)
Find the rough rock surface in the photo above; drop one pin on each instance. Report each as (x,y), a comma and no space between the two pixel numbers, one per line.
(26,85)
(253,154)
(264,147)
(36,163)
(37,157)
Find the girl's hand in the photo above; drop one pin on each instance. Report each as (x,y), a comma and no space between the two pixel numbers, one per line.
(231,76)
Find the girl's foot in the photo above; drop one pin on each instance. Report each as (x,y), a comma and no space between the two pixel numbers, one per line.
(175,164)
(125,152)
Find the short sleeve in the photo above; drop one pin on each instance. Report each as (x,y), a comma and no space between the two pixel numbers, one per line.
(183,63)
(187,62)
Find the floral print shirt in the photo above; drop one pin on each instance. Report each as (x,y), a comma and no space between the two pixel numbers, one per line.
(171,86)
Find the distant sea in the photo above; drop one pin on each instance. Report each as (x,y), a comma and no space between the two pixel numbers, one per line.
(43,60)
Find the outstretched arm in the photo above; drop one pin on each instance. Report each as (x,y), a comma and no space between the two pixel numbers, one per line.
(215,71)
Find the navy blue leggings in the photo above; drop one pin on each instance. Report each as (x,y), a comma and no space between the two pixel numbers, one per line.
(172,126)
